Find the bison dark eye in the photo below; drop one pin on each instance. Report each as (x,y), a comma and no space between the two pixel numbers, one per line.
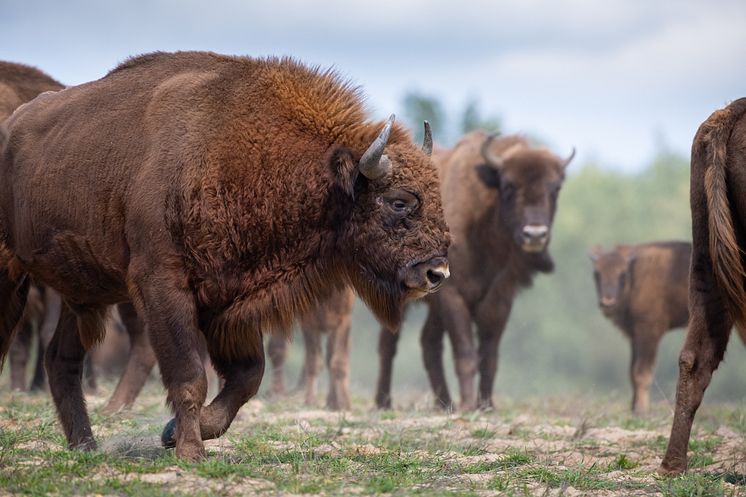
(400,202)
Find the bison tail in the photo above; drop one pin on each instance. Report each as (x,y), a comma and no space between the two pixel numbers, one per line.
(725,253)
(13,292)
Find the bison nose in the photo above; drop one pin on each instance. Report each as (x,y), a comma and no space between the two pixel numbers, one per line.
(534,231)
(608,301)
(535,237)
(427,276)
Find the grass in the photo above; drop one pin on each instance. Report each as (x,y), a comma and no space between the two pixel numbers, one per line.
(527,448)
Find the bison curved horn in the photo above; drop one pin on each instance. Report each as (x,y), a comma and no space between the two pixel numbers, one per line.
(373,164)
(488,155)
(427,141)
(569,158)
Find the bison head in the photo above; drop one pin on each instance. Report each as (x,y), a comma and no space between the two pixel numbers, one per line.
(612,272)
(528,181)
(395,238)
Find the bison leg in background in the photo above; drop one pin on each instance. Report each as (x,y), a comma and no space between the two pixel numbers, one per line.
(52,309)
(312,362)
(20,350)
(491,318)
(387,344)
(12,301)
(139,363)
(90,385)
(704,347)
(431,339)
(64,362)
(456,319)
(338,363)
(642,368)
(277,349)
(39,378)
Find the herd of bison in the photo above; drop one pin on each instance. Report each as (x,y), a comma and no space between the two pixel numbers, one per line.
(215,200)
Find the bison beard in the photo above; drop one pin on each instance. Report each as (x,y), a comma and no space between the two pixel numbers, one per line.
(224,197)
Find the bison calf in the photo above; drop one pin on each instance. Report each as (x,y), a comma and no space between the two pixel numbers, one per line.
(643,289)
(224,197)
(717,297)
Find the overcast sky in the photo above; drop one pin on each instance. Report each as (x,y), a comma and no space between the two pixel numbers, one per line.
(611,77)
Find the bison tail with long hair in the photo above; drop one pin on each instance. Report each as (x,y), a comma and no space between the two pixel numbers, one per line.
(709,154)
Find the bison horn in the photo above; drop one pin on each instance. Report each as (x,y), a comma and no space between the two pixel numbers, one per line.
(427,141)
(569,158)
(487,154)
(373,164)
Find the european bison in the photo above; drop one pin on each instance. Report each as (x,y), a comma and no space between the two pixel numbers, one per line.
(643,289)
(499,198)
(717,297)
(20,83)
(332,317)
(224,196)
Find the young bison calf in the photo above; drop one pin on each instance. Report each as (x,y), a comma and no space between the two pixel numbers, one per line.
(643,290)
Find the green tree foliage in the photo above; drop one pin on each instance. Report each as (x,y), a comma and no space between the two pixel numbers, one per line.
(418,108)
(472,118)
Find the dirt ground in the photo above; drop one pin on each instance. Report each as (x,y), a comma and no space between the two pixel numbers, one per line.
(570,446)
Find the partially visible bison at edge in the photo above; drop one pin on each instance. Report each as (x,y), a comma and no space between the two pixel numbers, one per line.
(224,196)
(19,84)
(499,198)
(643,289)
(717,297)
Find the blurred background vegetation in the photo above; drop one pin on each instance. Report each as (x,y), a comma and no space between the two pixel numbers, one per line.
(557,342)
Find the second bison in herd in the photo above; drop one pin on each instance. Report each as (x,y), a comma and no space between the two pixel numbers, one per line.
(218,199)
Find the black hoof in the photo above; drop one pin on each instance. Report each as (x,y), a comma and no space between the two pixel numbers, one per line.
(168,437)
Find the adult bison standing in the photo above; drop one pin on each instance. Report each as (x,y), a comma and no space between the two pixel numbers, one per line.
(499,197)
(717,296)
(223,196)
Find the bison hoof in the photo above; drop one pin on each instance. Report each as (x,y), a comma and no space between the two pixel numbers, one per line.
(168,437)
(87,444)
(665,470)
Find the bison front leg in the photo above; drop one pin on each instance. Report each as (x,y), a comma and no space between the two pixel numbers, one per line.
(388,340)
(169,312)
(242,378)
(644,349)
(140,362)
(456,318)
(64,362)
(491,319)
(338,364)
(277,349)
(704,347)
(431,340)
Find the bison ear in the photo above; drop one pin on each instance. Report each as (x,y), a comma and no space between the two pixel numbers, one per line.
(595,252)
(344,169)
(489,175)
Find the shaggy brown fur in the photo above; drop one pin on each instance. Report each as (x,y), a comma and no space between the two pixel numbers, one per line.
(488,207)
(643,289)
(19,84)
(223,197)
(717,298)
(334,318)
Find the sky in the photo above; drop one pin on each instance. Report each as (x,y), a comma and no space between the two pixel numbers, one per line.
(617,79)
